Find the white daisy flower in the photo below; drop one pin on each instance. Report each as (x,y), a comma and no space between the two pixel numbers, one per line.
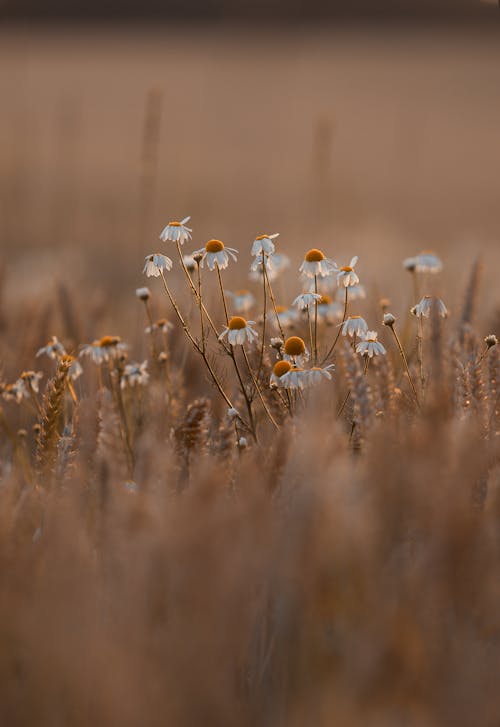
(15,392)
(189,262)
(53,349)
(306,300)
(162,325)
(316,264)
(287,317)
(369,346)
(75,370)
(143,293)
(216,253)
(280,368)
(263,244)
(296,378)
(275,265)
(135,374)
(103,349)
(317,374)
(354,326)
(232,414)
(424,262)
(176,231)
(346,277)
(329,310)
(156,263)
(31,379)
(356,292)
(423,308)
(295,351)
(243,300)
(239,331)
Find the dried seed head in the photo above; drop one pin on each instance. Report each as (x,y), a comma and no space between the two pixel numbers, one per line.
(214,246)
(242,443)
(314,256)
(198,257)
(491,340)
(236,323)
(143,293)
(389,320)
(295,346)
(277,343)
(162,357)
(281,368)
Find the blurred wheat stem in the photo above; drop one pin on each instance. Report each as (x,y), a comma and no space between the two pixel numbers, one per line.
(198,273)
(405,363)
(230,351)
(257,388)
(273,300)
(195,292)
(348,395)
(420,350)
(344,315)
(264,316)
(151,325)
(117,393)
(309,325)
(202,353)
(316,321)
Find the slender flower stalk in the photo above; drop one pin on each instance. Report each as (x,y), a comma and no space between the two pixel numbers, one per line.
(389,321)
(344,316)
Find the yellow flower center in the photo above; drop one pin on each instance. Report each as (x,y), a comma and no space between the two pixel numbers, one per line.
(161,322)
(242,292)
(326,300)
(237,323)
(107,341)
(346,269)
(427,252)
(295,346)
(174,224)
(314,256)
(354,317)
(281,309)
(281,368)
(261,237)
(214,246)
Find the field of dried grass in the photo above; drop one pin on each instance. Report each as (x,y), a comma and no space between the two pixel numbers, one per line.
(220,522)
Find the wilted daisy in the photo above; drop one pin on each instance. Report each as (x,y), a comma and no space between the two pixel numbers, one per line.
(275,265)
(176,231)
(143,293)
(135,374)
(295,350)
(296,378)
(369,346)
(15,392)
(162,325)
(53,349)
(316,264)
(280,368)
(216,253)
(423,308)
(189,262)
(239,331)
(317,374)
(356,292)
(31,379)
(263,244)
(243,300)
(354,326)
(103,349)
(156,263)
(306,300)
(424,262)
(329,310)
(346,277)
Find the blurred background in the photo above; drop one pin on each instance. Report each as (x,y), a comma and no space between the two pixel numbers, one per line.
(362,128)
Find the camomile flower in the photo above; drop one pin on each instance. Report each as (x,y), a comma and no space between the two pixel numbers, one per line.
(103,349)
(53,349)
(317,374)
(189,262)
(162,325)
(15,392)
(243,300)
(75,370)
(216,253)
(369,346)
(287,317)
(135,374)
(263,244)
(296,378)
(156,263)
(275,265)
(354,326)
(295,350)
(316,264)
(329,310)
(424,262)
(232,414)
(306,300)
(176,231)
(346,277)
(31,379)
(239,331)
(143,293)
(356,292)
(423,308)
(280,368)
